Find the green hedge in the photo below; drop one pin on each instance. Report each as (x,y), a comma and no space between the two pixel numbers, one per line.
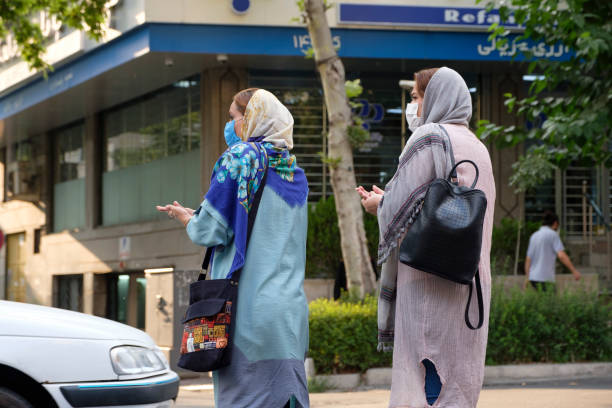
(524,327)
(323,253)
(547,327)
(343,336)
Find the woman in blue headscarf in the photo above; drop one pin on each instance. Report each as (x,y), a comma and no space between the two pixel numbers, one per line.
(271,338)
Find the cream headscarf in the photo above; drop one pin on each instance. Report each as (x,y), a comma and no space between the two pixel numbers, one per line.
(265,116)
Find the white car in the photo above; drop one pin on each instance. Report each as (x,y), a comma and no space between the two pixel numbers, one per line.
(55,358)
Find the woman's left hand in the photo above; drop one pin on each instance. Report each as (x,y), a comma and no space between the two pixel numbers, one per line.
(176,210)
(370,199)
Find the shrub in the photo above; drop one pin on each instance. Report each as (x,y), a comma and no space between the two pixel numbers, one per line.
(343,336)
(535,326)
(318,385)
(323,252)
(523,327)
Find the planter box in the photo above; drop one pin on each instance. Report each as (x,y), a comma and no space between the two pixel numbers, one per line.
(341,381)
(589,281)
(318,288)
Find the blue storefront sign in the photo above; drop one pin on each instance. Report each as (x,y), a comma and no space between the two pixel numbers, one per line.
(270,41)
(418,16)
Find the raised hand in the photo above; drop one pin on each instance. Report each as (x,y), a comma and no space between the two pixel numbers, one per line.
(176,210)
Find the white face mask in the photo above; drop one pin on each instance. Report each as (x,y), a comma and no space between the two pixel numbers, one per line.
(413,120)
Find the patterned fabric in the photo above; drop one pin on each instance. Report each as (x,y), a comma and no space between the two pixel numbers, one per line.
(266,117)
(205,333)
(235,180)
(286,178)
(243,165)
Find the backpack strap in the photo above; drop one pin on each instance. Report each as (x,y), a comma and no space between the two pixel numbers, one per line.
(480,304)
(453,174)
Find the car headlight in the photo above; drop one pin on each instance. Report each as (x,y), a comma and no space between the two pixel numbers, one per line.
(136,360)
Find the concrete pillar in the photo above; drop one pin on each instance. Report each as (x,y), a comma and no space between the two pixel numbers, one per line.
(132,303)
(218,86)
(2,174)
(88,293)
(159,321)
(100,294)
(93,171)
(48,180)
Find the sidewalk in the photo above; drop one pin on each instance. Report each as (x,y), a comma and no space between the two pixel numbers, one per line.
(591,393)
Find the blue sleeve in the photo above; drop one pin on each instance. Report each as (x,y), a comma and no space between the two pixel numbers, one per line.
(208,228)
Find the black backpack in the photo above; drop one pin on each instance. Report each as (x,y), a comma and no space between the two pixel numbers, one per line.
(446,236)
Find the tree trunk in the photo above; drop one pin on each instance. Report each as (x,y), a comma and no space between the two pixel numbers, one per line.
(360,276)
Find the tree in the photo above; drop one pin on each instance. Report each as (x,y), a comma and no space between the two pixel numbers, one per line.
(576,126)
(360,276)
(20,23)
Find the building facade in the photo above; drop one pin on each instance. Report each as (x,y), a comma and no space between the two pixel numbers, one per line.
(138,119)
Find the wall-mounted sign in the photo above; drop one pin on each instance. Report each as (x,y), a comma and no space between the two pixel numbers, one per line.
(125,247)
(302,42)
(241,6)
(351,42)
(394,15)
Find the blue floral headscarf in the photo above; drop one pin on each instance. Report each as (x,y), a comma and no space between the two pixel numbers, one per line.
(238,173)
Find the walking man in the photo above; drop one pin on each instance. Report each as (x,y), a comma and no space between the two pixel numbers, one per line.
(544,247)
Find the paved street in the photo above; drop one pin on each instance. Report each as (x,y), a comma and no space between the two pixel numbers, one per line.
(591,393)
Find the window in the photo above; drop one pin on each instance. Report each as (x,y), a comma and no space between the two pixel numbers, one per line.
(24,161)
(69,292)
(121,297)
(70,155)
(162,124)
(37,236)
(69,183)
(152,153)
(375,161)
(304,99)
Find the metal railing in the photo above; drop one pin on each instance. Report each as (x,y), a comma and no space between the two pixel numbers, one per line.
(589,210)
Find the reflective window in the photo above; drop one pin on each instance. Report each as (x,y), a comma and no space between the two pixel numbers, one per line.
(70,153)
(162,124)
(68,292)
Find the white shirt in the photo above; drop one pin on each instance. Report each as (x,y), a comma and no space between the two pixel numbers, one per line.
(544,245)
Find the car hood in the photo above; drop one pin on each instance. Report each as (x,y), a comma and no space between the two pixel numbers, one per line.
(23,319)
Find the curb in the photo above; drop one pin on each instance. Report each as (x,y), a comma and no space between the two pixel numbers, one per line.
(512,374)
(494,375)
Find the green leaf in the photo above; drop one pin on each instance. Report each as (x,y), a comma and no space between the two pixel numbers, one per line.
(87,15)
(353,88)
(308,53)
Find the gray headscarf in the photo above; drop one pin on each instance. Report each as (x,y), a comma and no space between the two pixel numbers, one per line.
(425,158)
(447,99)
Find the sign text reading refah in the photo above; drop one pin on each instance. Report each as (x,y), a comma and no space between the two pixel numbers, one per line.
(464,17)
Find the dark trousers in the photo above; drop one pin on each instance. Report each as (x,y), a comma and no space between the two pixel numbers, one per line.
(543,286)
